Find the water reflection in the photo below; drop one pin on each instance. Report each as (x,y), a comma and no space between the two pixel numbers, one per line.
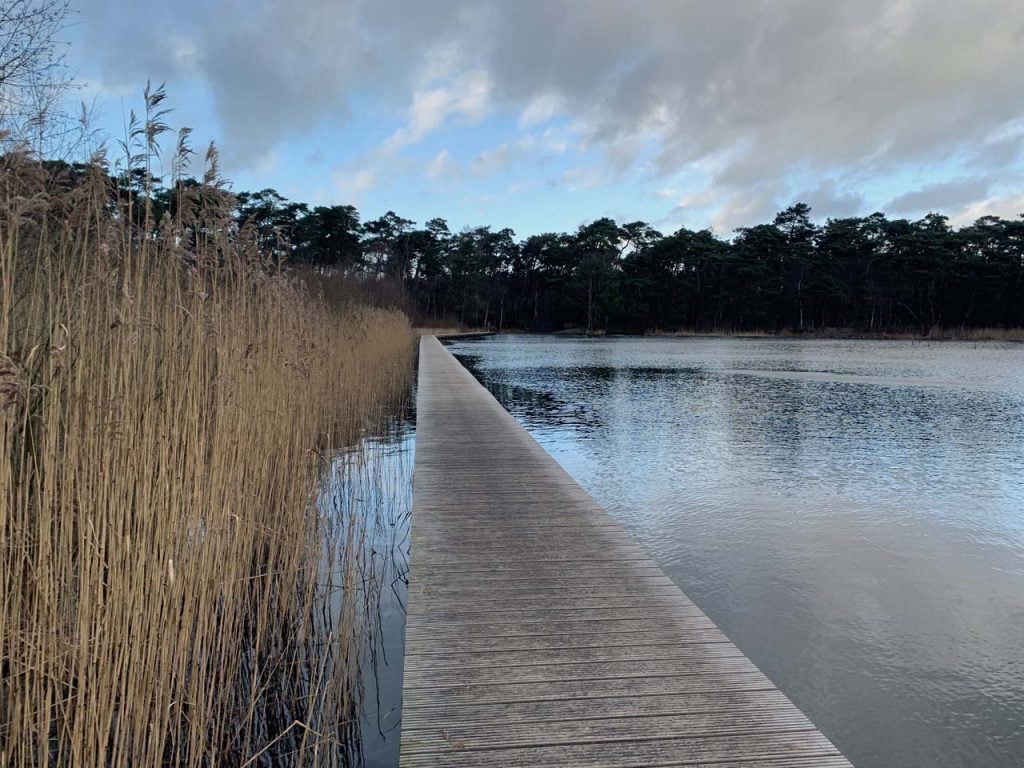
(849,512)
(368,505)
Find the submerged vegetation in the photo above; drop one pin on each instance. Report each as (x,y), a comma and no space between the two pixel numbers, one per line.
(170,405)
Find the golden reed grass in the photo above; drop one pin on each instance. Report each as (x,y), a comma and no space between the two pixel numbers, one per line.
(168,405)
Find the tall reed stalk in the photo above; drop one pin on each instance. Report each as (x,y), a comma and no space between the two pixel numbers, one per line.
(168,403)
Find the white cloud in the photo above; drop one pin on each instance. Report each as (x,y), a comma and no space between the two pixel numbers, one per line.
(757,205)
(540,110)
(352,184)
(443,166)
(519,187)
(700,199)
(582,179)
(554,142)
(491,161)
(440,62)
(1009,206)
(550,142)
(467,97)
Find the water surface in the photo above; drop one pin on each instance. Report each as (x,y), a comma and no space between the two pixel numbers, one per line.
(369,501)
(851,513)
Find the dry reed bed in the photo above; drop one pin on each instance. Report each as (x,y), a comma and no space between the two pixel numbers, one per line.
(168,405)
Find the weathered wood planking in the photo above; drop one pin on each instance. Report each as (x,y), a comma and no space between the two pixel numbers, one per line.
(540,634)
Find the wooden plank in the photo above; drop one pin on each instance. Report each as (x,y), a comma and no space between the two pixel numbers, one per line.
(429,677)
(649,583)
(507,735)
(524,561)
(514,548)
(423,628)
(470,620)
(539,609)
(681,686)
(535,657)
(679,751)
(562,591)
(540,634)
(457,575)
(542,642)
(456,715)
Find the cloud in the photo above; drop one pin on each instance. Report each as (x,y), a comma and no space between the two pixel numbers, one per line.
(580,179)
(700,199)
(267,164)
(443,166)
(753,93)
(491,161)
(939,196)
(1009,206)
(466,97)
(832,199)
(540,110)
(754,206)
(352,184)
(530,147)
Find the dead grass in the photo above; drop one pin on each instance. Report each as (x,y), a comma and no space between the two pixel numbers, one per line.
(977,334)
(446,331)
(168,405)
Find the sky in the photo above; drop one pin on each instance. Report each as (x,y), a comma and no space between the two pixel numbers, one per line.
(541,115)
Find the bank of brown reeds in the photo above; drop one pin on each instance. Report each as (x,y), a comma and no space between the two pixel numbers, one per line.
(168,403)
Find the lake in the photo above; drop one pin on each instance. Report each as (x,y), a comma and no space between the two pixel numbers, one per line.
(850,513)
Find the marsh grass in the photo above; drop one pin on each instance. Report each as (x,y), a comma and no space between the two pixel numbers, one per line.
(169,405)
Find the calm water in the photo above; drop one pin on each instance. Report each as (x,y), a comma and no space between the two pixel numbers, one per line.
(370,498)
(850,513)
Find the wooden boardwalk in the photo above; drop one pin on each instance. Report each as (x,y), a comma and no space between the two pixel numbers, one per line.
(539,634)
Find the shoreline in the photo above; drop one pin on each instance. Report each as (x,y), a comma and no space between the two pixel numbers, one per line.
(850,334)
(837,334)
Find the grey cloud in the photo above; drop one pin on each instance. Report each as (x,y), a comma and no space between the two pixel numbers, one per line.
(755,204)
(843,90)
(831,199)
(940,197)
(999,154)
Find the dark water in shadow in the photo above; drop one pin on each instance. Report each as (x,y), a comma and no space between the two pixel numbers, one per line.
(851,513)
(371,499)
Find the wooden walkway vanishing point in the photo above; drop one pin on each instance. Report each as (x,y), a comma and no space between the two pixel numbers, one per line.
(539,634)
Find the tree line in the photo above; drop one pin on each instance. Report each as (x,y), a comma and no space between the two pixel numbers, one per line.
(869,273)
(872,273)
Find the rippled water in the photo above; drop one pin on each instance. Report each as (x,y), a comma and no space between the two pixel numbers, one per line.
(850,513)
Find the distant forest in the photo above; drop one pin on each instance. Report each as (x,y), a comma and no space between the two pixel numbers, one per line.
(870,274)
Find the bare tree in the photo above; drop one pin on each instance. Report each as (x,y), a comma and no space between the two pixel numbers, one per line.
(33,71)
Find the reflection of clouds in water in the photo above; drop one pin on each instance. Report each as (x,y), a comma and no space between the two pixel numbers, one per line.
(848,511)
